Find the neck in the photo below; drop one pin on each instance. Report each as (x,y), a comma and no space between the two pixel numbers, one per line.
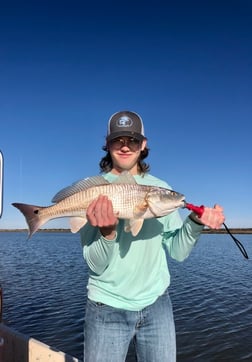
(118,170)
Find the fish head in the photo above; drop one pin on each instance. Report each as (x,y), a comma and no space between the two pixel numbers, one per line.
(163,201)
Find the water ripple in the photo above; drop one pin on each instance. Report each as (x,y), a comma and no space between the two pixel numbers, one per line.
(44,282)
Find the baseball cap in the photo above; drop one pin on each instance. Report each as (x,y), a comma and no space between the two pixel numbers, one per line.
(125,123)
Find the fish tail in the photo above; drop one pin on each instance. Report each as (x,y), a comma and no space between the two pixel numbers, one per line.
(32,216)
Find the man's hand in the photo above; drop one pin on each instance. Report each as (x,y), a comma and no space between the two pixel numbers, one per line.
(100,213)
(211,217)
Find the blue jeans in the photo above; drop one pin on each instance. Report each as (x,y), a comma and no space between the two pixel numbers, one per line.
(108,332)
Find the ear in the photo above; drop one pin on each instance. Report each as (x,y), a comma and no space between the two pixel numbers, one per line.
(144,144)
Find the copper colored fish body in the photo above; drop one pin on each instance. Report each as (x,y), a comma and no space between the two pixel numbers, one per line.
(131,201)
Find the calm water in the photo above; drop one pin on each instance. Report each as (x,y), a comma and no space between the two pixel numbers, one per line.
(44,284)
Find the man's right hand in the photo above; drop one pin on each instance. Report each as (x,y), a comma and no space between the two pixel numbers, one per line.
(100,213)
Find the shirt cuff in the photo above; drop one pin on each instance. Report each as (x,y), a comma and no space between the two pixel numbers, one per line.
(109,240)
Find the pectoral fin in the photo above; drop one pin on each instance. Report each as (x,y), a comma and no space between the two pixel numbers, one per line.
(140,209)
(76,223)
(133,226)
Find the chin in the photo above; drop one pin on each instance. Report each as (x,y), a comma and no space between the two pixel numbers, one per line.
(122,168)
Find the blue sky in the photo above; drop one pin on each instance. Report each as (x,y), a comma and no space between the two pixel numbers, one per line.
(184,66)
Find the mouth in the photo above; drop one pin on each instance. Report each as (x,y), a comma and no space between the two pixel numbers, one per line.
(124,155)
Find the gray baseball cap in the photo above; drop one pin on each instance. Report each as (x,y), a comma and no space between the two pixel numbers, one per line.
(125,123)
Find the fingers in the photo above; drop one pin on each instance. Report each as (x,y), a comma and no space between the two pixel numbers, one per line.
(220,218)
(218,207)
(213,217)
(100,212)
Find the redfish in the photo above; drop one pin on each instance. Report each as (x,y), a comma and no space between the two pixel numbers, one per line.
(131,201)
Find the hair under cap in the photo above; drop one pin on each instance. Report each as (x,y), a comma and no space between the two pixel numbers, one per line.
(125,123)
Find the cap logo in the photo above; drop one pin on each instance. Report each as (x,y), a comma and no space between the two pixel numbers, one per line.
(124,122)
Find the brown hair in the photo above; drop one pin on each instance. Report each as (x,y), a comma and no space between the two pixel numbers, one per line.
(106,163)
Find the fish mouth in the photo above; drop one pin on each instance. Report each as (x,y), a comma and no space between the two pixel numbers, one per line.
(163,211)
(183,203)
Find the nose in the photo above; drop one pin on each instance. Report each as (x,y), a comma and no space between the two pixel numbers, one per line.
(124,143)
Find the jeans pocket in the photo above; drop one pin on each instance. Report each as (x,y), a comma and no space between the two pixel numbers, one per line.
(96,304)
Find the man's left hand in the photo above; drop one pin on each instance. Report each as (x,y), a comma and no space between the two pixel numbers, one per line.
(213,217)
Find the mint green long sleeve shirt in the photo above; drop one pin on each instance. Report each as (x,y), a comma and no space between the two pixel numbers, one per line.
(132,272)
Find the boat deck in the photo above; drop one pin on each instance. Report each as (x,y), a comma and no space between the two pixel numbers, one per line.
(17,347)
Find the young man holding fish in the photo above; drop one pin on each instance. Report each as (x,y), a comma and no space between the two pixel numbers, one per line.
(129,277)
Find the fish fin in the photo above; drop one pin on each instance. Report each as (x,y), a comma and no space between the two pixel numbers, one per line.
(140,209)
(32,216)
(76,223)
(133,226)
(78,186)
(125,178)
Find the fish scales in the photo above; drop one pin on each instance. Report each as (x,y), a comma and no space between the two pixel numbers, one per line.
(124,198)
(131,201)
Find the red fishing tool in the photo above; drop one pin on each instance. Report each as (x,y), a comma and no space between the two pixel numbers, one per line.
(199,211)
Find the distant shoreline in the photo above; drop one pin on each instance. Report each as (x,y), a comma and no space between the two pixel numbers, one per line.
(206,231)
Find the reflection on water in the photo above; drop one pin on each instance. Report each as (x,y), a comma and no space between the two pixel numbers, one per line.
(44,284)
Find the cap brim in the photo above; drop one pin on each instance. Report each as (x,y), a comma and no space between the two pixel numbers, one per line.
(114,135)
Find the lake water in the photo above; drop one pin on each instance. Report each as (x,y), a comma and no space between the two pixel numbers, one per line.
(44,291)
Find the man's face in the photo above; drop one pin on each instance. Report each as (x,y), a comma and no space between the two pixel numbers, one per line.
(125,152)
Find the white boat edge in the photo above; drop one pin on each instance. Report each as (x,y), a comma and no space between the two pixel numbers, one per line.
(17,347)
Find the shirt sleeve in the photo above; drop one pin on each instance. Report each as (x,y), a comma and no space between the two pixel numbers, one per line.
(180,237)
(97,250)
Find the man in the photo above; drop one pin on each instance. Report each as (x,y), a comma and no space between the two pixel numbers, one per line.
(129,276)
